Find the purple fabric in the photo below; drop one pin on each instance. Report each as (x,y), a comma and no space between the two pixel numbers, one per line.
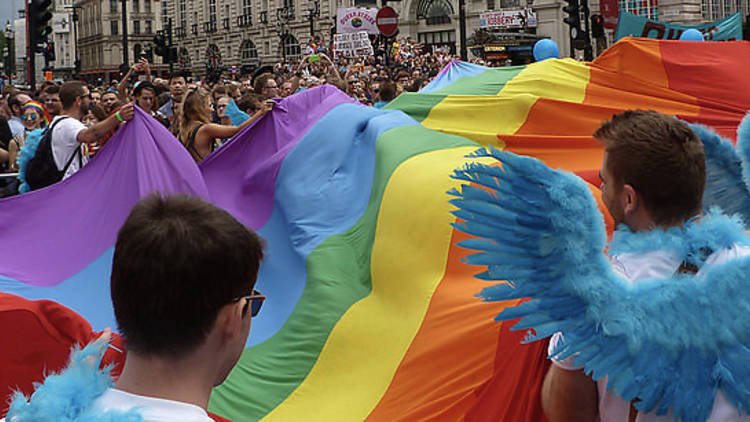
(241,175)
(59,230)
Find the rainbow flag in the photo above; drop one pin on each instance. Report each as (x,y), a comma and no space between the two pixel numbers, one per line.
(370,313)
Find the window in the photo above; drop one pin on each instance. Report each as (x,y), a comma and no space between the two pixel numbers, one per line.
(212,11)
(645,8)
(165,15)
(183,14)
(264,5)
(136,6)
(149,29)
(136,52)
(490,4)
(290,48)
(248,52)
(147,4)
(247,7)
(113,28)
(267,48)
(136,27)
(112,6)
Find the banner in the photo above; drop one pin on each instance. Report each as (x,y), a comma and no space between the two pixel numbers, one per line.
(352,45)
(727,29)
(518,18)
(355,19)
(610,12)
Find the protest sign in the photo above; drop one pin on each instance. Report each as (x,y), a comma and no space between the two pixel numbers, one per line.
(352,45)
(355,19)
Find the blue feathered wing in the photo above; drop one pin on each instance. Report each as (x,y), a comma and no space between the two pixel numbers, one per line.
(727,171)
(669,343)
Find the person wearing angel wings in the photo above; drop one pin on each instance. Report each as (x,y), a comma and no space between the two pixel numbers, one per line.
(654,330)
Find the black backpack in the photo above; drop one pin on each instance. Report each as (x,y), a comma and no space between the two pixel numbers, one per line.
(41,170)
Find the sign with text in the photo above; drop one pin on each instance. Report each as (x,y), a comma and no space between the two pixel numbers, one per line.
(518,18)
(727,29)
(352,45)
(350,20)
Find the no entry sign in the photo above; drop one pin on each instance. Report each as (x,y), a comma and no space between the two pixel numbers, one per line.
(387,21)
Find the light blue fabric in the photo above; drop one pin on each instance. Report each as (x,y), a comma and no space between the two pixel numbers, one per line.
(671,343)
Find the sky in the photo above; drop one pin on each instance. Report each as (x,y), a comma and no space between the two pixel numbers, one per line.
(8,11)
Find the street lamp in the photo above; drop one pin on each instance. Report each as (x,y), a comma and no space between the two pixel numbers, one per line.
(74,18)
(9,54)
(312,13)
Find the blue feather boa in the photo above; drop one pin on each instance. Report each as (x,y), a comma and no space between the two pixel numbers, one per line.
(68,395)
(27,152)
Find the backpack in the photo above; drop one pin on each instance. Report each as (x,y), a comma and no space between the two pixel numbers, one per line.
(41,170)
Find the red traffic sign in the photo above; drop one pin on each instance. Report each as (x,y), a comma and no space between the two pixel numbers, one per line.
(387,21)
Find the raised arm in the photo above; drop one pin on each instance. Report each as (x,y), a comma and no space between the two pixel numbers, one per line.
(212,130)
(96,132)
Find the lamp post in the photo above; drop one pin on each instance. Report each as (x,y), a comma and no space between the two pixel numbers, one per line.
(313,12)
(74,19)
(9,47)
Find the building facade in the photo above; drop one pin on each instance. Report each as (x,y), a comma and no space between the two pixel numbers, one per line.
(100,35)
(63,35)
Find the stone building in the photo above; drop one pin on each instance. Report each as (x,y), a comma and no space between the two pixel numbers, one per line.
(100,35)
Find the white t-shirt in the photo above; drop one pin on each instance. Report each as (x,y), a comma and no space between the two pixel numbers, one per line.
(644,266)
(65,142)
(150,408)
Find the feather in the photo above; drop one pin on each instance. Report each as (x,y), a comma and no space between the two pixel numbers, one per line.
(672,343)
(725,186)
(66,396)
(27,152)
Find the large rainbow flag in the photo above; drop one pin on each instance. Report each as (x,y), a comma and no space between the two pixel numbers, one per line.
(370,313)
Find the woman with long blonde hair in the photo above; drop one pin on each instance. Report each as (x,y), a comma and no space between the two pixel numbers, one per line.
(197,132)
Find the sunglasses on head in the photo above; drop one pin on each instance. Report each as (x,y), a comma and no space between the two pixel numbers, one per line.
(30,116)
(254,299)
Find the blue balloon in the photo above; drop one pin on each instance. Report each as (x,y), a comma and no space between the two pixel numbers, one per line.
(692,35)
(546,49)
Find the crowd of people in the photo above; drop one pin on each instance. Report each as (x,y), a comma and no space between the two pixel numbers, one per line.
(194,109)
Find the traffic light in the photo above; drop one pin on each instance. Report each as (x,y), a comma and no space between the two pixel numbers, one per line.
(39,22)
(597,26)
(49,51)
(574,18)
(161,49)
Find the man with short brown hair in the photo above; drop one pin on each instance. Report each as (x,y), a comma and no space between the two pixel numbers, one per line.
(652,177)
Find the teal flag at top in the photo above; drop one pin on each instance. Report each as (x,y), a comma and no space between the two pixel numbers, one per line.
(727,29)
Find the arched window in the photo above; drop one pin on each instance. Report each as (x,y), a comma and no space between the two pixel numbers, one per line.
(213,56)
(136,53)
(290,48)
(248,52)
(435,11)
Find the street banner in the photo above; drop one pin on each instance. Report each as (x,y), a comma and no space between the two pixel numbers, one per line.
(610,12)
(355,19)
(727,29)
(518,18)
(352,45)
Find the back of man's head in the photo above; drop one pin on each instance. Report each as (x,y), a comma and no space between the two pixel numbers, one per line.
(661,158)
(52,89)
(178,260)
(387,91)
(69,92)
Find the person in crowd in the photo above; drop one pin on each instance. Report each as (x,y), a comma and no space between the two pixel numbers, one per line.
(234,91)
(69,133)
(221,111)
(96,96)
(177,84)
(51,100)
(142,66)
(266,86)
(287,89)
(144,96)
(653,176)
(16,101)
(197,133)
(247,85)
(108,100)
(183,335)
(33,118)
(250,103)
(386,95)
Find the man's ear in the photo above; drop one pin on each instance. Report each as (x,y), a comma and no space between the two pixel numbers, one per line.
(629,199)
(229,320)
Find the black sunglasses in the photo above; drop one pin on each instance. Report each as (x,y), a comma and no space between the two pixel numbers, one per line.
(255,298)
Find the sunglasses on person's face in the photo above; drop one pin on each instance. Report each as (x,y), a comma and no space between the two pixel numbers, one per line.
(254,300)
(30,117)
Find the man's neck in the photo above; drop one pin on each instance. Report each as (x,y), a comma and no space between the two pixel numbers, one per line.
(73,112)
(186,380)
